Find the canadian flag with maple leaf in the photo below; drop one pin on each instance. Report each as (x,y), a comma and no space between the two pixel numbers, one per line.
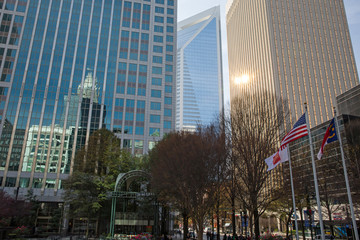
(279,157)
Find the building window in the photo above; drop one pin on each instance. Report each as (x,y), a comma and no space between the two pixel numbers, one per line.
(139,130)
(157,49)
(170,29)
(170,11)
(159,9)
(159,29)
(157,59)
(168,78)
(141,104)
(159,39)
(157,70)
(169,58)
(140,117)
(170,20)
(154,118)
(168,100)
(169,48)
(156,81)
(156,93)
(169,38)
(154,132)
(168,68)
(167,112)
(155,106)
(159,19)
(167,124)
(168,89)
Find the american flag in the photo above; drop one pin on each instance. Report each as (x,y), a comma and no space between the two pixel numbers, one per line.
(298,131)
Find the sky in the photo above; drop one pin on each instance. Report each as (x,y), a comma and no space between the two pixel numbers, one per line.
(188,8)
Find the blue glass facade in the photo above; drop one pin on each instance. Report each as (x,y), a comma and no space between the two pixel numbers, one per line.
(199,70)
(70,67)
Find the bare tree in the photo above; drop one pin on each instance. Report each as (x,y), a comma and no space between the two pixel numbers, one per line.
(255,125)
(187,170)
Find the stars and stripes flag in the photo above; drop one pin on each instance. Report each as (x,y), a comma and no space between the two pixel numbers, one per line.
(298,131)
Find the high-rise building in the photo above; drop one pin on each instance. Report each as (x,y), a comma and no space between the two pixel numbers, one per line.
(199,93)
(70,67)
(299,50)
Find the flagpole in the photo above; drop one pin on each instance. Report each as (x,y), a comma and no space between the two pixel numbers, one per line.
(346,179)
(315,177)
(293,195)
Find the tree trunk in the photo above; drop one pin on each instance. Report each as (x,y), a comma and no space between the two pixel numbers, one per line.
(330,219)
(200,229)
(186,225)
(256,224)
(233,216)
(218,225)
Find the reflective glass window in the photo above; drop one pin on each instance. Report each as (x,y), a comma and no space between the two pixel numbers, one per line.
(155,93)
(159,10)
(154,118)
(168,78)
(168,100)
(158,38)
(169,58)
(157,59)
(140,117)
(168,68)
(139,130)
(157,70)
(167,112)
(159,29)
(157,49)
(156,81)
(167,124)
(169,38)
(141,104)
(168,89)
(159,19)
(170,20)
(170,11)
(155,132)
(155,106)
(170,29)
(169,48)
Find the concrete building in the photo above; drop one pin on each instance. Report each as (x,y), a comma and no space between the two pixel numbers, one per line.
(199,90)
(299,50)
(70,67)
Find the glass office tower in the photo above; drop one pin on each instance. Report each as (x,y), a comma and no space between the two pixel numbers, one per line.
(199,98)
(70,67)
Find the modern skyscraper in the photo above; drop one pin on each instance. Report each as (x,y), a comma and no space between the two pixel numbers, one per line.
(299,50)
(199,93)
(70,67)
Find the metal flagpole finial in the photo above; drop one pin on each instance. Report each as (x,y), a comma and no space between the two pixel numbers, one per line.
(305,106)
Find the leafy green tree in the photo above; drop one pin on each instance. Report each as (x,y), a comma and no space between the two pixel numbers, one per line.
(96,167)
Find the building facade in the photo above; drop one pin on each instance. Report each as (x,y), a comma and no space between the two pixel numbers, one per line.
(299,50)
(199,93)
(71,67)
